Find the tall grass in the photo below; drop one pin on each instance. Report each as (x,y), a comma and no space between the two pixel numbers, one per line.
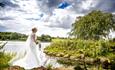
(88,47)
(91,51)
(4,58)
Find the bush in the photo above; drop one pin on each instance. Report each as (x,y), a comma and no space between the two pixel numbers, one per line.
(49,67)
(88,47)
(4,59)
(90,50)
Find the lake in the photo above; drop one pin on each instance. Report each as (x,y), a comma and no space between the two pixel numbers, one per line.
(14,46)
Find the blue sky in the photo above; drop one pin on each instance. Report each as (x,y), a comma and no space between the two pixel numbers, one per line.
(52,17)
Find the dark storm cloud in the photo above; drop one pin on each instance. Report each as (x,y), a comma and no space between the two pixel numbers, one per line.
(78,7)
(104,5)
(53,3)
(6,18)
(47,6)
(4,3)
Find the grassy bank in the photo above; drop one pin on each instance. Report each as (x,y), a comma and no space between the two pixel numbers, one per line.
(83,51)
(4,57)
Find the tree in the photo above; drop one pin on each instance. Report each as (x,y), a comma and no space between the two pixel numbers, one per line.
(46,38)
(95,25)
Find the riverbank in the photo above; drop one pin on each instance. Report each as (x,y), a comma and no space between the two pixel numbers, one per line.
(39,68)
(4,57)
(84,53)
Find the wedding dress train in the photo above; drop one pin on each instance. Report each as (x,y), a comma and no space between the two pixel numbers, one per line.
(28,57)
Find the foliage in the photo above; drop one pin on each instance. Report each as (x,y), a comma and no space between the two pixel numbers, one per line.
(22,37)
(95,25)
(49,67)
(93,51)
(2,44)
(12,36)
(77,67)
(45,38)
(4,59)
(76,47)
(67,62)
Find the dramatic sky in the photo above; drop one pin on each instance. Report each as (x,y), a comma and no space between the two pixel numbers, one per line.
(52,17)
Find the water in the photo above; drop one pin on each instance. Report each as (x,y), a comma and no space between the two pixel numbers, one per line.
(14,46)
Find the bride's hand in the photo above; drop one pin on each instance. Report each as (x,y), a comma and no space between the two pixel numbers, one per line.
(37,42)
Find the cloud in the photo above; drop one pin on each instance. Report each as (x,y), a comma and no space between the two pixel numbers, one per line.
(6,18)
(106,5)
(22,15)
(10,3)
(79,6)
(53,3)
(2,5)
(60,20)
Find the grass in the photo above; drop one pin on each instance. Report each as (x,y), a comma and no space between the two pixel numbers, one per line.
(88,51)
(4,58)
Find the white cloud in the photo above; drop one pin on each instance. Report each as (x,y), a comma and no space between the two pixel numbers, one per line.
(54,21)
(62,18)
(88,4)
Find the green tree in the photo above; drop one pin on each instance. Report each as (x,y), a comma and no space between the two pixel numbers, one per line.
(46,38)
(12,36)
(95,25)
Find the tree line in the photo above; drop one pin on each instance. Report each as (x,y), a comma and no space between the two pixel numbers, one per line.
(12,36)
(22,37)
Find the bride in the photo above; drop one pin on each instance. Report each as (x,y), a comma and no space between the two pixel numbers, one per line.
(29,56)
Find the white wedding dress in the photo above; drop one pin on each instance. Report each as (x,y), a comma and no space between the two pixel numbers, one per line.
(29,56)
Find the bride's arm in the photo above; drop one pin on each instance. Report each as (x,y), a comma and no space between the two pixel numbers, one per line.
(34,39)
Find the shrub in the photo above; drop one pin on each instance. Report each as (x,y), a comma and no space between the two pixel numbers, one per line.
(4,59)
(79,49)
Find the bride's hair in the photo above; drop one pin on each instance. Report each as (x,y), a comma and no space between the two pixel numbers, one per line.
(34,29)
